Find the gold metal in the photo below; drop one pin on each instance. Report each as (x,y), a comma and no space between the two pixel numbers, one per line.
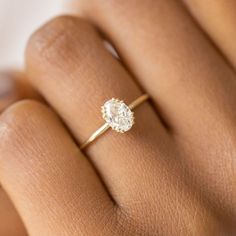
(106,126)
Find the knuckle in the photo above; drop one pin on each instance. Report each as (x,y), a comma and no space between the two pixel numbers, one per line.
(55,41)
(47,34)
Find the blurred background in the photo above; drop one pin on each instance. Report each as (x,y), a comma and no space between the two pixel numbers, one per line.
(19,18)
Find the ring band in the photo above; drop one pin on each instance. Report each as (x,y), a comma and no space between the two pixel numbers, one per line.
(117,115)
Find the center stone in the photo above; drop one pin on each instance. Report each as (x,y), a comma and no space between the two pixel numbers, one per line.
(118,115)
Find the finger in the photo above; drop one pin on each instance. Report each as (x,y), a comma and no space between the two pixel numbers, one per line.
(171,59)
(10,222)
(70,67)
(14,87)
(190,83)
(52,185)
(218,19)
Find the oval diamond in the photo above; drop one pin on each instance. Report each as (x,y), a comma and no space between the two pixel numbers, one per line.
(118,115)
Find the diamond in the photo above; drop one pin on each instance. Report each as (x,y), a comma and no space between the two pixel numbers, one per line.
(118,115)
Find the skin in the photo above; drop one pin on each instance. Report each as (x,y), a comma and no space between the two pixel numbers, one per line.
(174,172)
(13,87)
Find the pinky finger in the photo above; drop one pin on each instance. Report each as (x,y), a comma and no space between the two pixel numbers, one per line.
(53,186)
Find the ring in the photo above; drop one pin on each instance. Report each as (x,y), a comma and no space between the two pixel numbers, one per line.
(117,115)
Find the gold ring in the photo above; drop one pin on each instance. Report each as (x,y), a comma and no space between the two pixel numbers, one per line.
(117,115)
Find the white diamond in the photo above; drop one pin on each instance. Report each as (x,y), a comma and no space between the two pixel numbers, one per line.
(118,115)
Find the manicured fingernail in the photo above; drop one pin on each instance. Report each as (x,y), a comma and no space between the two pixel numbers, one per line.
(6,85)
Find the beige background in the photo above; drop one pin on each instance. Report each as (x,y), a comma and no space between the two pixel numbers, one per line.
(18,19)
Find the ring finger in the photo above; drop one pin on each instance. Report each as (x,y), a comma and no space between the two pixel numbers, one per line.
(76,74)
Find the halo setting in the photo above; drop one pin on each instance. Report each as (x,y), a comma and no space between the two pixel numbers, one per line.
(118,115)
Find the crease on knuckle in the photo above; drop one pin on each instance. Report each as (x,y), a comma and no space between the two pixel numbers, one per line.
(55,41)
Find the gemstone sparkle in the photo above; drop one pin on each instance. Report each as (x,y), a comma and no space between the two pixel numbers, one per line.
(118,115)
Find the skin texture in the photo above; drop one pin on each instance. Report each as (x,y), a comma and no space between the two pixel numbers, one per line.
(13,87)
(172,174)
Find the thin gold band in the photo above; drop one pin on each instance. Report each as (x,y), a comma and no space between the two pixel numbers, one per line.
(106,126)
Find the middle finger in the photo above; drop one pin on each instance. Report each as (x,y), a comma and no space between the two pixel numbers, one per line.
(171,58)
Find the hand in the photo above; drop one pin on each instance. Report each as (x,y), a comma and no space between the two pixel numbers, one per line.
(172,173)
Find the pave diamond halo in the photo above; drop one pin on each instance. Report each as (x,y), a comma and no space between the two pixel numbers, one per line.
(118,115)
